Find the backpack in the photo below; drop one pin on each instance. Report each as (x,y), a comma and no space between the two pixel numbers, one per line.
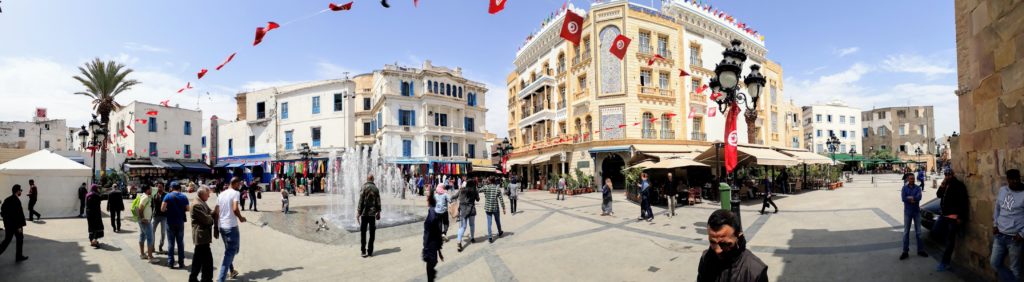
(135,208)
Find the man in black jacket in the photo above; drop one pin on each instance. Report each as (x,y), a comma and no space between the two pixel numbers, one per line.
(954,207)
(81,200)
(727,259)
(14,222)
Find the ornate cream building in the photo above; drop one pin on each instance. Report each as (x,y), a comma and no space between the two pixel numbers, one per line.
(580,107)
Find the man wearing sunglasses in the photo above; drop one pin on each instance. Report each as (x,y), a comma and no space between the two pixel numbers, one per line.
(727,259)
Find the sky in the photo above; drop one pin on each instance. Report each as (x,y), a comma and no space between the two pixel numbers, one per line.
(870,54)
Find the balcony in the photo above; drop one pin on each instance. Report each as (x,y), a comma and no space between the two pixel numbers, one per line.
(581,59)
(650,134)
(698,136)
(543,80)
(648,90)
(434,129)
(665,92)
(581,95)
(698,98)
(543,114)
(561,114)
(668,134)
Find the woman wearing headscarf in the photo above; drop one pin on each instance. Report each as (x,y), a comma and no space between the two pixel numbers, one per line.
(606,198)
(94,215)
(441,202)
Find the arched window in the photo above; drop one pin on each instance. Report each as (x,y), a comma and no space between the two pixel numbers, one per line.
(648,127)
(448,89)
(611,66)
(590,128)
(579,126)
(436,88)
(429,88)
(666,127)
(460,92)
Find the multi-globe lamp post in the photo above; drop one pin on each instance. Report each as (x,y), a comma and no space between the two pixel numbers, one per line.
(503,150)
(98,139)
(725,87)
(833,146)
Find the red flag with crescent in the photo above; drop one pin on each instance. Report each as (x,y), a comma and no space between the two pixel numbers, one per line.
(572,27)
(731,137)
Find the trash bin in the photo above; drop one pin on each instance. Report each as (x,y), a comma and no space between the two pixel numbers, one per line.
(725,196)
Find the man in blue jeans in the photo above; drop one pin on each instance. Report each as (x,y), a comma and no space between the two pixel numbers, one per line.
(228,216)
(175,205)
(492,199)
(1008,227)
(911,196)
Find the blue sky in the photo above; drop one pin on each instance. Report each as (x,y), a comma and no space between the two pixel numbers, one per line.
(869,53)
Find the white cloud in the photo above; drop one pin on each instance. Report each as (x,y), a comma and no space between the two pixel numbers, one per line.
(497,109)
(847,51)
(259,84)
(328,70)
(917,64)
(32,82)
(134,46)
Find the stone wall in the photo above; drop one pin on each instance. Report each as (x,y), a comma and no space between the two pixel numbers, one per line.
(990,63)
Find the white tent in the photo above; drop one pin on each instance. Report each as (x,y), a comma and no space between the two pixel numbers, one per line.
(57,179)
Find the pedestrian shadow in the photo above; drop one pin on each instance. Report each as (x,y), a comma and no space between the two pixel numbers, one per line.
(266,274)
(387,251)
(39,222)
(701,228)
(108,247)
(49,260)
(125,232)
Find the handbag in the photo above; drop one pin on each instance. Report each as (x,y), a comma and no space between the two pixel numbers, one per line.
(453,210)
(259,195)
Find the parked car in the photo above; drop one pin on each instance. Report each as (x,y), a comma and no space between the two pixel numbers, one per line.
(930,212)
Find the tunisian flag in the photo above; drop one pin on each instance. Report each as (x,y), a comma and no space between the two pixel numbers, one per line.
(731,137)
(572,27)
(619,46)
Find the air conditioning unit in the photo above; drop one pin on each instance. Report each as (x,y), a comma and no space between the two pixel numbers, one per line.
(405,128)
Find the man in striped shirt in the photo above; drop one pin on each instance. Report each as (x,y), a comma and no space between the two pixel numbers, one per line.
(492,198)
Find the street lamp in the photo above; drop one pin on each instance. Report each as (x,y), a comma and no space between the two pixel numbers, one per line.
(919,152)
(307,154)
(833,146)
(503,150)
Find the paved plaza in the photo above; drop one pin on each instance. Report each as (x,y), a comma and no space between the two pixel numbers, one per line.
(850,234)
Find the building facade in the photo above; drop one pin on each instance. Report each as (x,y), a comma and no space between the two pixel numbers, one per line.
(144,130)
(38,134)
(428,115)
(907,132)
(581,107)
(823,120)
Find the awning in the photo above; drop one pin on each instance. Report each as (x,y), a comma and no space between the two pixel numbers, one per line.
(747,154)
(131,166)
(544,157)
(656,148)
(195,167)
(643,164)
(610,149)
(519,161)
(676,163)
(409,161)
(484,169)
(221,165)
(807,157)
(167,165)
(234,165)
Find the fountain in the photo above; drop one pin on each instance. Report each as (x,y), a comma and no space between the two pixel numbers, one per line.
(348,172)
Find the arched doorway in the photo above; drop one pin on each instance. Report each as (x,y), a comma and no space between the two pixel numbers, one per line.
(611,167)
(257,171)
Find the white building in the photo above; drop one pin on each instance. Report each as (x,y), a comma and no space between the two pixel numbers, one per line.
(40,133)
(823,120)
(428,115)
(149,130)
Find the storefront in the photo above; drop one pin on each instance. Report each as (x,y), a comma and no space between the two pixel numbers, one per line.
(248,167)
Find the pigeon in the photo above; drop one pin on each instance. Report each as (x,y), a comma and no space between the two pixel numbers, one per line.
(322,225)
(385,3)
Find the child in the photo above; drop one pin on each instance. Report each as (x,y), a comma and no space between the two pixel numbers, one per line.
(284,200)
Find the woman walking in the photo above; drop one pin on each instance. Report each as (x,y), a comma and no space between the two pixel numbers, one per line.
(468,197)
(433,234)
(606,198)
(94,215)
(441,202)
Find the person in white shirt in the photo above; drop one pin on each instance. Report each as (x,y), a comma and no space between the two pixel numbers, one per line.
(228,217)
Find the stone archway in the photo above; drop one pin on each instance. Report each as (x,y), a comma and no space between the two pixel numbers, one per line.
(611,167)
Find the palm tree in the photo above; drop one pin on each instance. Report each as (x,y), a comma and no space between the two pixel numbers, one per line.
(103,81)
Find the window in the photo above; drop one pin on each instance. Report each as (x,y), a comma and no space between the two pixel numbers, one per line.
(436,88)
(831,133)
(187,152)
(903,130)
(406,118)
(663,80)
(154,152)
(882,131)
(21,133)
(772,89)
(852,120)
(284,110)
(430,149)
(471,99)
(405,89)
(366,104)
(843,133)
(429,89)
(817,118)
(920,129)
(261,110)
(471,150)
(796,142)
(695,56)
(315,135)
(865,132)
(152,124)
(252,144)
(694,85)
(903,148)
(842,148)
(46,144)
(583,82)
(819,133)
(337,102)
(645,42)
(470,124)
(842,119)
(820,149)
(380,121)
(775,122)
(460,92)
(406,148)
(853,134)
(440,119)
(663,46)
(881,115)
(456,149)
(829,118)
(645,77)
(448,89)
(204,141)
(366,128)
(188,128)
(231,147)
(316,105)
(288,140)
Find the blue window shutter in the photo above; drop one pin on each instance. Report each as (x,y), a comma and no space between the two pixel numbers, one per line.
(413,117)
(399,116)
(412,88)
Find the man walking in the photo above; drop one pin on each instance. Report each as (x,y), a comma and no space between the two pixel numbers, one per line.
(911,196)
(954,206)
(1008,227)
(115,204)
(768,197)
(254,189)
(81,200)
(202,226)
(645,200)
(159,217)
(727,259)
(368,213)
(144,215)
(175,205)
(14,222)
(492,198)
(228,217)
(33,197)
(670,192)
(513,194)
(560,189)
